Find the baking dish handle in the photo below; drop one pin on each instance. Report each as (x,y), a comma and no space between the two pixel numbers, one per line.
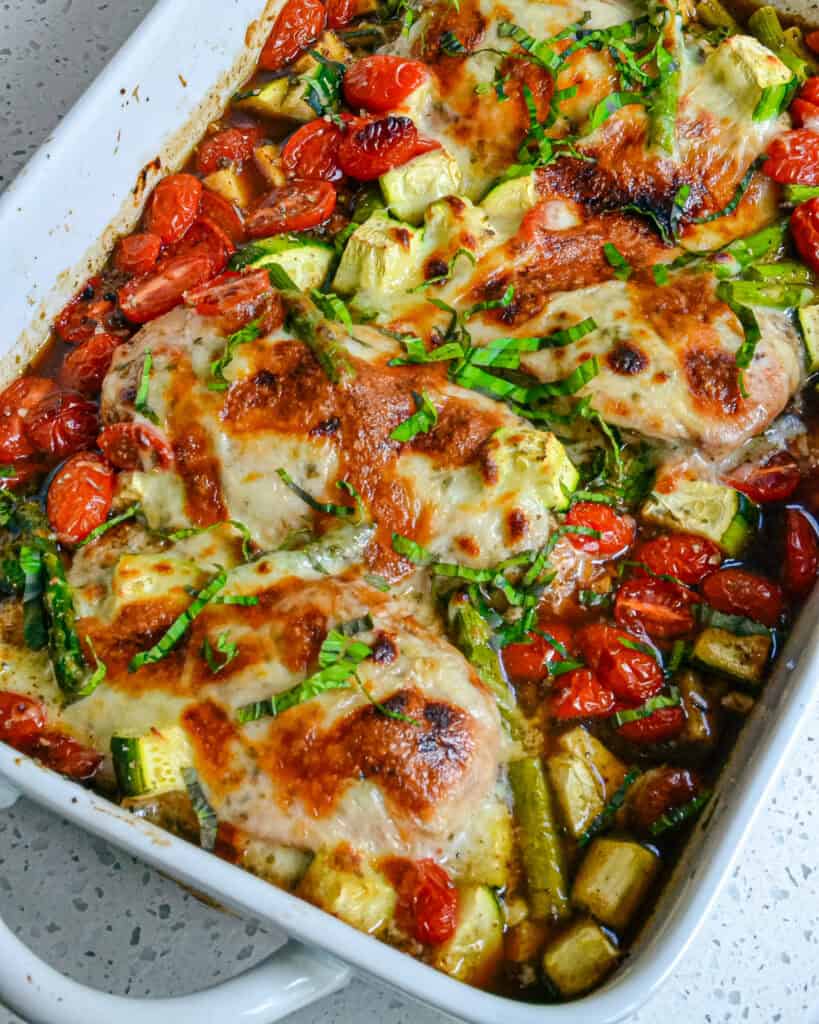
(291,978)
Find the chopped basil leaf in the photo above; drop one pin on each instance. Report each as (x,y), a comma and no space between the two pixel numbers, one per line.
(35,629)
(601,111)
(422,421)
(141,400)
(224,646)
(605,818)
(326,507)
(109,524)
(647,710)
(660,272)
(332,307)
(736,199)
(679,815)
(615,259)
(249,333)
(195,531)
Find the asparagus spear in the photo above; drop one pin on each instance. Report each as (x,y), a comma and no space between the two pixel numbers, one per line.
(64,643)
(471,635)
(540,844)
(665,101)
(712,14)
(765,25)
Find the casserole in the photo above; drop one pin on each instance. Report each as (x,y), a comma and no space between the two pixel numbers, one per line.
(464,1001)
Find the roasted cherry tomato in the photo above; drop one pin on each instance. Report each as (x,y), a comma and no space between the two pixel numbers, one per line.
(658,792)
(17,403)
(793,159)
(88,312)
(661,608)
(223,217)
(134,446)
(527,662)
(682,555)
(582,696)
(25,470)
(805,230)
(382,82)
(340,12)
(299,24)
(62,423)
(296,206)
(231,296)
(774,480)
(616,657)
(229,146)
(85,367)
(428,903)
(80,496)
(616,531)
(22,719)
(804,114)
(138,254)
(205,238)
(372,148)
(801,553)
(65,755)
(174,206)
(146,298)
(812,39)
(739,592)
(312,151)
(664,724)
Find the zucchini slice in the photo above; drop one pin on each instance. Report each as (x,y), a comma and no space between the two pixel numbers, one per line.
(151,763)
(706,509)
(809,322)
(579,958)
(409,189)
(742,658)
(344,884)
(307,263)
(474,951)
(613,880)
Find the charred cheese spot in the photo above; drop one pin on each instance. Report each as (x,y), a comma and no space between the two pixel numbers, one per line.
(213,736)
(516,524)
(303,633)
(713,377)
(469,546)
(627,359)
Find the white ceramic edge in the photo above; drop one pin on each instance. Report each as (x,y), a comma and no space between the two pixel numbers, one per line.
(206,38)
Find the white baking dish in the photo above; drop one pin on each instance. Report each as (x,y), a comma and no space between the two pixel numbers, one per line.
(57,222)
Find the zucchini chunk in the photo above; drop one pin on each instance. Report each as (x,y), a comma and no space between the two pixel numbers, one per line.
(700,728)
(533,460)
(580,743)
(613,880)
(381,256)
(474,951)
(307,263)
(409,189)
(267,99)
(579,958)
(809,322)
(345,885)
(151,764)
(760,83)
(706,509)
(508,203)
(488,854)
(576,790)
(742,658)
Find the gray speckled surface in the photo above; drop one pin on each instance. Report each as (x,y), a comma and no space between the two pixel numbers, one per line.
(107,920)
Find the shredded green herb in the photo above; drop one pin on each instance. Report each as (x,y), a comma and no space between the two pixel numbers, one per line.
(250,332)
(646,710)
(422,421)
(224,646)
(679,815)
(109,524)
(141,401)
(605,818)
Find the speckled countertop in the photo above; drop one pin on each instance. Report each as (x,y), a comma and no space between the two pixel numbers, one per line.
(109,921)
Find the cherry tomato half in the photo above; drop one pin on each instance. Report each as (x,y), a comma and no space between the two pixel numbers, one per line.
(339,12)
(80,496)
(205,238)
(138,254)
(801,553)
(312,151)
(793,158)
(17,402)
(234,296)
(372,148)
(428,903)
(22,719)
(805,230)
(134,446)
(739,592)
(174,206)
(381,82)
(223,217)
(682,555)
(616,531)
(660,790)
(527,662)
(812,39)
(582,696)
(87,313)
(664,724)
(145,298)
(661,608)
(85,367)
(300,23)
(230,146)
(65,755)
(810,90)
(62,423)
(630,673)
(774,480)
(804,114)
(296,206)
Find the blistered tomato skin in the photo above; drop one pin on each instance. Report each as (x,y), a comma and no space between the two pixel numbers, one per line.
(174,207)
(85,366)
(528,662)
(312,151)
(681,555)
(222,217)
(793,159)
(146,298)
(296,206)
(774,480)
(663,725)
(631,674)
(615,532)
(661,790)
(739,592)
(805,230)
(80,497)
(339,13)
(87,313)
(138,254)
(660,608)
(801,553)
(22,719)
(300,23)
(375,147)
(382,82)
(428,903)
(17,402)
(134,446)
(64,422)
(582,695)
(64,754)
(230,146)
